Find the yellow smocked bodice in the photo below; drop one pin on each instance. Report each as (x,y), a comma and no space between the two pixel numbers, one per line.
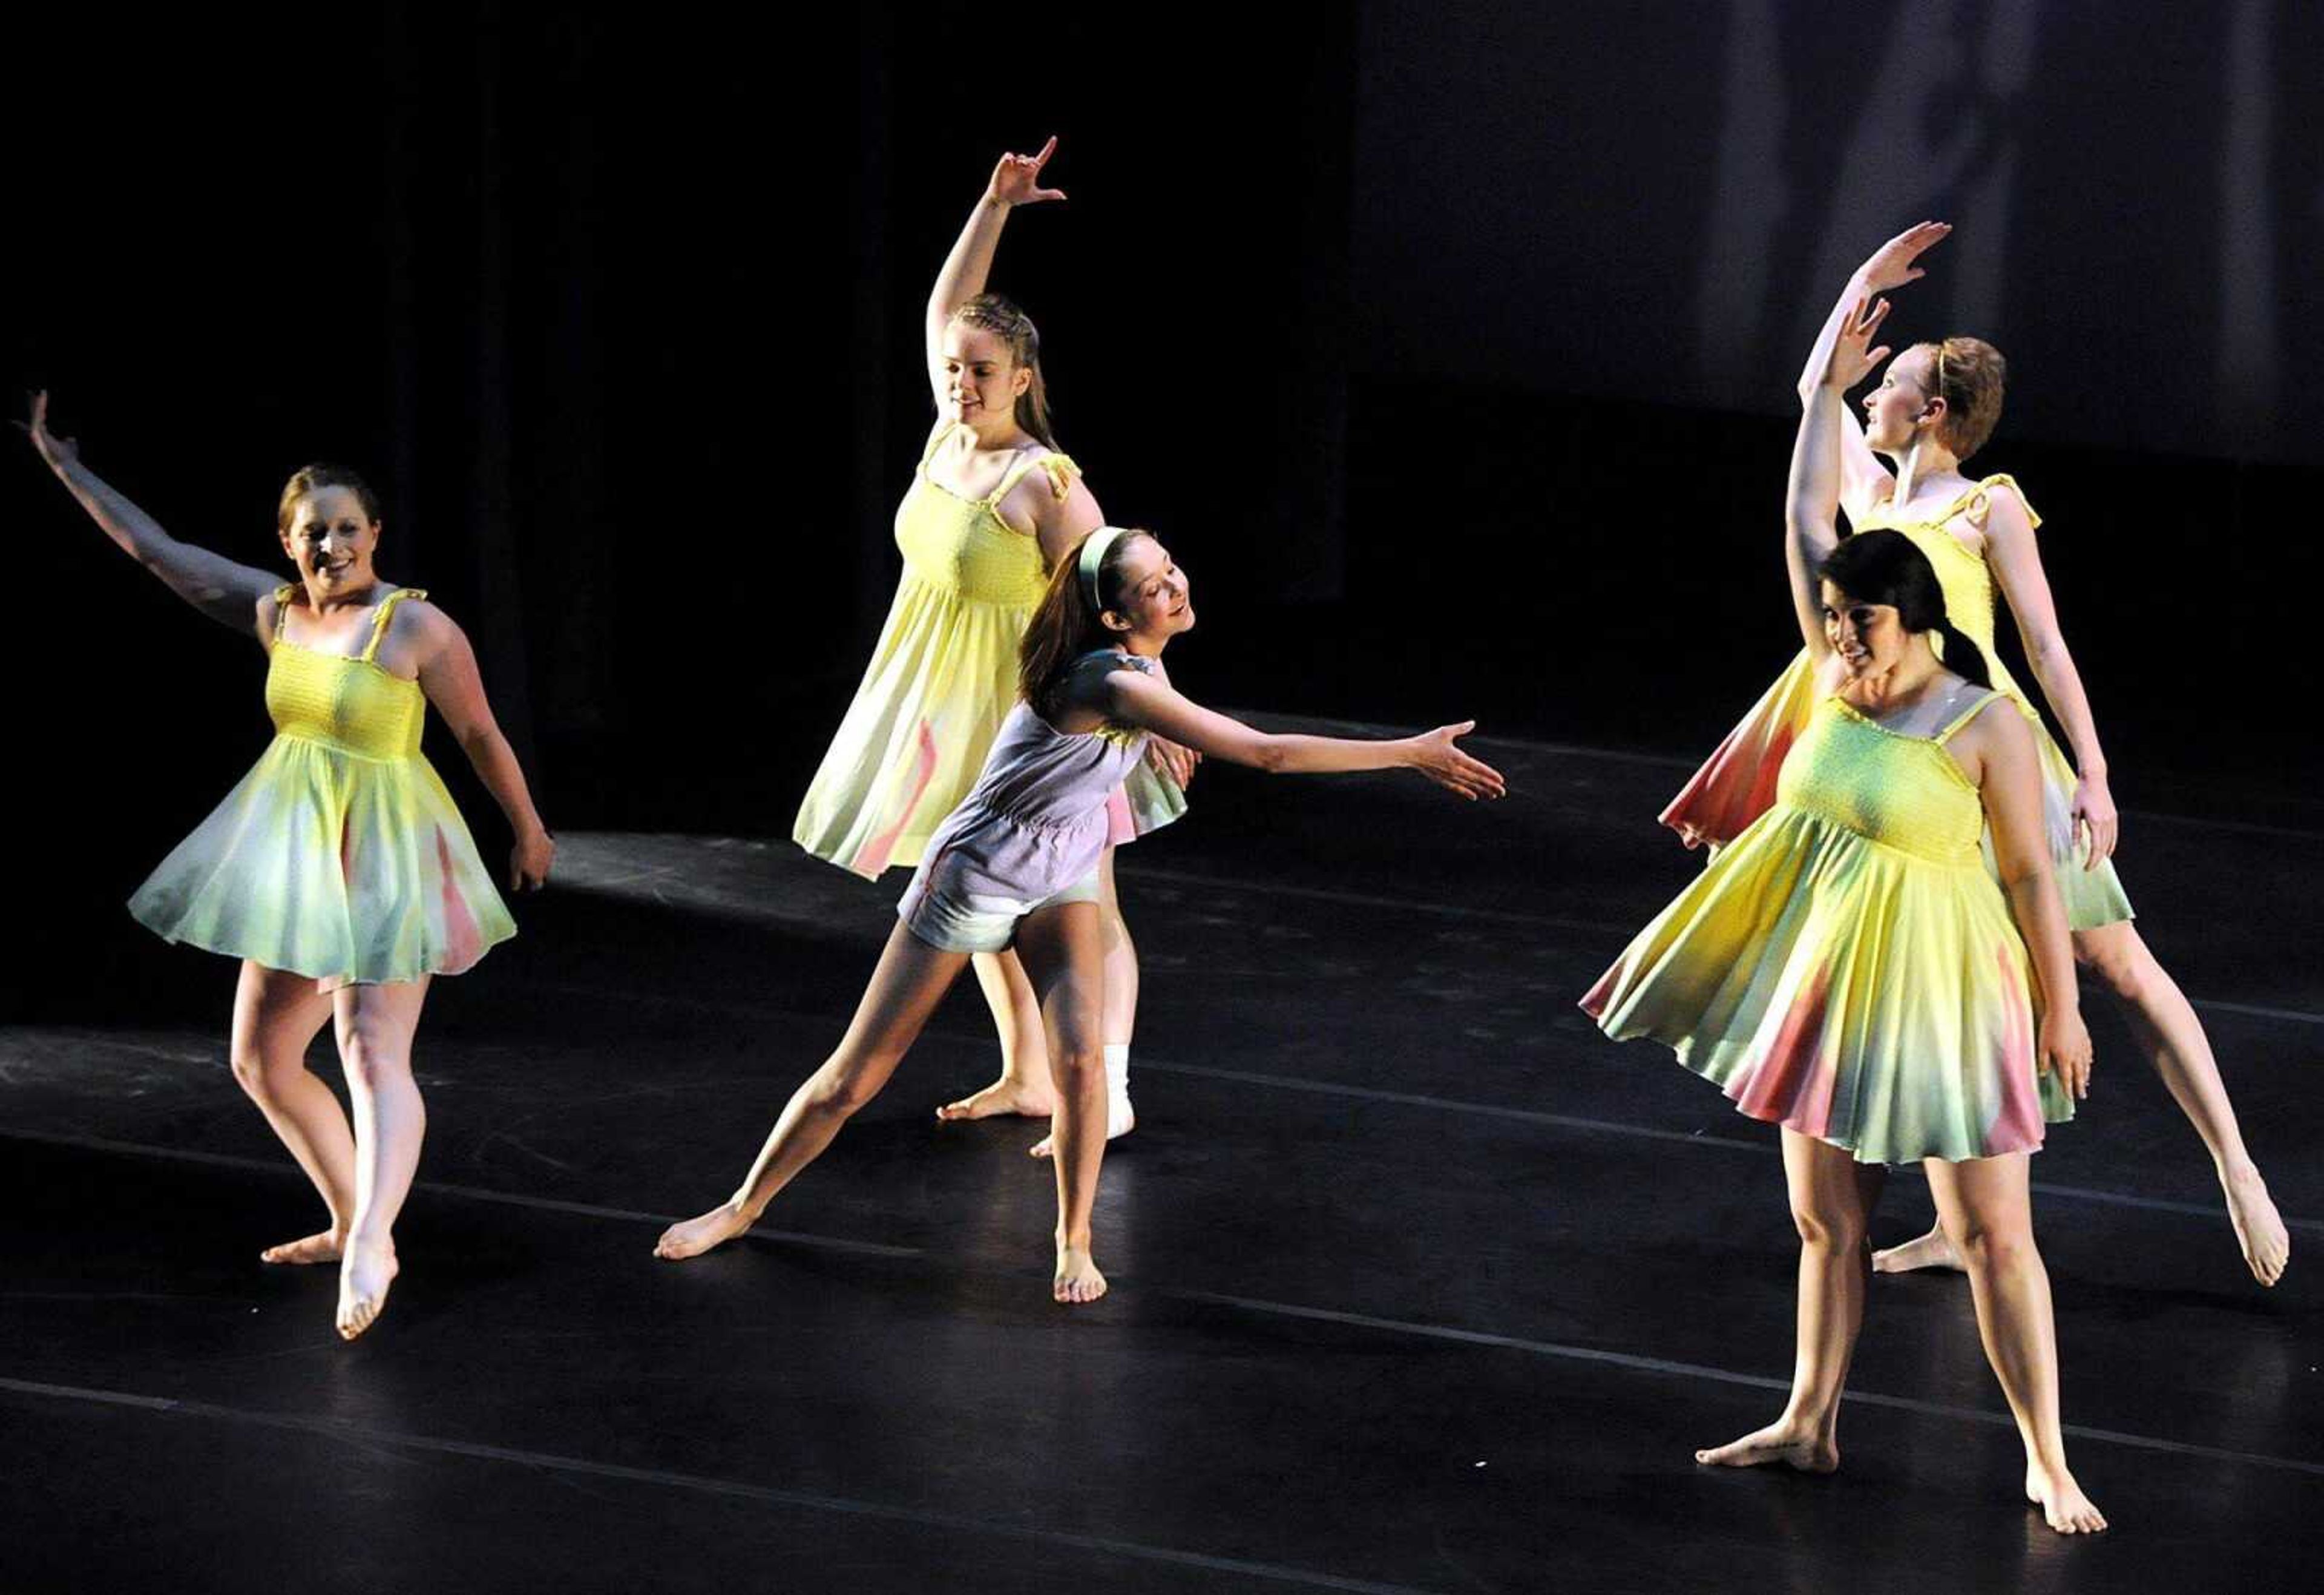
(1904,792)
(963,547)
(350,704)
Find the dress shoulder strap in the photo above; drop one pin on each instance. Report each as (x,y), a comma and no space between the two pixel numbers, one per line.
(935,441)
(1966,716)
(283,606)
(1059,468)
(385,614)
(1977,501)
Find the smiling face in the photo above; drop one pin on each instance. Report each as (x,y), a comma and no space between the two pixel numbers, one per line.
(981,378)
(331,539)
(1870,638)
(1156,599)
(1900,407)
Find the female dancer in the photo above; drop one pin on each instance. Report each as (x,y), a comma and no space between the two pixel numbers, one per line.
(1016,865)
(992,507)
(1847,968)
(1934,408)
(338,871)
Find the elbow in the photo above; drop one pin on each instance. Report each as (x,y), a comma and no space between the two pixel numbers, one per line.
(1271,757)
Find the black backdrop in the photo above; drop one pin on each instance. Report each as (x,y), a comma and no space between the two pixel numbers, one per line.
(1450,346)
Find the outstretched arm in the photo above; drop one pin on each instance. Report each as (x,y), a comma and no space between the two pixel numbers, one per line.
(226,592)
(1864,480)
(1812,498)
(2009,781)
(448,676)
(1016,180)
(2016,563)
(1136,700)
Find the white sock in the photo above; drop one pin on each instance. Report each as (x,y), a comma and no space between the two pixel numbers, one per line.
(1118,1114)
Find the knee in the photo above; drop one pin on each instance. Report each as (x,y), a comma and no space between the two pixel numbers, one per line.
(371,1058)
(1991,1248)
(1077,1064)
(845,1091)
(254,1073)
(1828,1230)
(2116,961)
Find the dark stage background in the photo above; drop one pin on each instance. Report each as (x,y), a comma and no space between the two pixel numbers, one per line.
(1452,349)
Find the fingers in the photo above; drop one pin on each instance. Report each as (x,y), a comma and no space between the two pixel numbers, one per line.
(1047,150)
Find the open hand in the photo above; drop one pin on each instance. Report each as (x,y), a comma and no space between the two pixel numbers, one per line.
(58,452)
(1016,179)
(529,861)
(2097,823)
(1891,265)
(1174,760)
(1435,757)
(2063,1048)
(1852,359)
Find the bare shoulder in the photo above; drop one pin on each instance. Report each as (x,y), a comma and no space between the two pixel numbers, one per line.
(1997,732)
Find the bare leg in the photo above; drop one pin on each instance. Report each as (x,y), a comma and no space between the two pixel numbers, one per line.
(1833,1197)
(1121,1011)
(2168,1032)
(1065,955)
(1985,1206)
(275,1015)
(911,979)
(1024,1087)
(375,1025)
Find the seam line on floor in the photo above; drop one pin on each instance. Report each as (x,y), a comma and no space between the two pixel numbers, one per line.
(338,1429)
(1625,1359)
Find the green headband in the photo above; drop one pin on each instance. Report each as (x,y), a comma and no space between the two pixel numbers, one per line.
(1094,548)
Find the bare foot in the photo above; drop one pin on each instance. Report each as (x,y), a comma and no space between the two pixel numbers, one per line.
(1777,1445)
(1116,1125)
(697,1235)
(2259,1228)
(323,1248)
(364,1275)
(1931,1250)
(1078,1280)
(1004,1096)
(2063,1505)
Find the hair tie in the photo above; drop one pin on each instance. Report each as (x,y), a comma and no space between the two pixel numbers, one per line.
(1094,548)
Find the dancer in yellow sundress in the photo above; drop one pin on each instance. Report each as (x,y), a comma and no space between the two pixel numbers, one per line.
(1935,407)
(339,870)
(1847,968)
(992,506)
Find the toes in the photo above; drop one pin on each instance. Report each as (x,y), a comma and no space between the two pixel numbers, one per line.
(1047,1147)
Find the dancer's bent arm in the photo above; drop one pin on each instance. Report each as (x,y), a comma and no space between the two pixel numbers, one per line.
(1864,480)
(448,676)
(1016,180)
(1812,498)
(226,592)
(1140,700)
(2016,561)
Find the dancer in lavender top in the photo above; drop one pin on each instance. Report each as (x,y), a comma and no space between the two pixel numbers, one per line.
(1015,865)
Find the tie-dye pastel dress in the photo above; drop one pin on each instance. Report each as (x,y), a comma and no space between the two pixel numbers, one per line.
(1739,780)
(341,855)
(941,679)
(1848,967)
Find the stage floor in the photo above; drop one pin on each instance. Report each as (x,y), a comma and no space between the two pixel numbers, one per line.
(1418,1283)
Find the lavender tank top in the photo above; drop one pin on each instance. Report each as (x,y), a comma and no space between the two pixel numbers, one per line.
(1035,821)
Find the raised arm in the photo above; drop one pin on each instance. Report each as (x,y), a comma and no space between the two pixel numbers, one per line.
(1812,498)
(1864,480)
(2015,560)
(1136,700)
(2009,774)
(448,676)
(228,593)
(1016,180)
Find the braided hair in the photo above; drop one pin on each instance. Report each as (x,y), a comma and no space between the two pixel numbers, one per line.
(1004,318)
